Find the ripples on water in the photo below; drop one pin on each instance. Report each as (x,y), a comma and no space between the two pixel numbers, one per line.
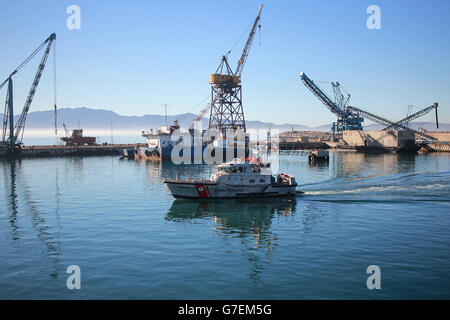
(131,239)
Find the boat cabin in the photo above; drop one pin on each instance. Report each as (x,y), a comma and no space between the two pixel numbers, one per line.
(237,167)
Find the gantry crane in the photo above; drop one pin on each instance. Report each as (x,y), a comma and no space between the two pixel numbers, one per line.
(12,140)
(226,95)
(349,118)
(346,118)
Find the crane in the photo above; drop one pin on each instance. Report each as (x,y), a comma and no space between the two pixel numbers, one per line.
(67,131)
(386,122)
(408,113)
(200,115)
(416,115)
(241,63)
(226,110)
(349,118)
(346,118)
(14,140)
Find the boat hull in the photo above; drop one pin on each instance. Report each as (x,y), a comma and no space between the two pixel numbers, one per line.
(207,190)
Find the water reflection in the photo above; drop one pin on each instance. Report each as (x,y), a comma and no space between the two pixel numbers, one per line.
(310,213)
(351,164)
(406,162)
(249,220)
(48,238)
(9,179)
(74,166)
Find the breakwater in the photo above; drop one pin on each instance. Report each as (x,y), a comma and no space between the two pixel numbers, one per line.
(59,151)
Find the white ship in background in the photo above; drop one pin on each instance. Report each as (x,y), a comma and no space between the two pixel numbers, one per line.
(160,143)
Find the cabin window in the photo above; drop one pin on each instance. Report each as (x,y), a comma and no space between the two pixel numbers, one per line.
(234,170)
(251,181)
(262,180)
(240,169)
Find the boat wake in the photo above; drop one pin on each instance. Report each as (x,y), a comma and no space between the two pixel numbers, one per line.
(428,186)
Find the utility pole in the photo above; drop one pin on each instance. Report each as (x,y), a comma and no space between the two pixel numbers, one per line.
(165,107)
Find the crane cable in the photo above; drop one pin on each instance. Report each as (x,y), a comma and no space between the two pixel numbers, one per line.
(24,62)
(54,89)
(199,104)
(239,39)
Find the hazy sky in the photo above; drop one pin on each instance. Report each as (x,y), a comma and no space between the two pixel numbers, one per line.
(132,56)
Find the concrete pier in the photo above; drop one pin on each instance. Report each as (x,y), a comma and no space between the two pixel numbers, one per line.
(315,156)
(441,145)
(297,145)
(60,151)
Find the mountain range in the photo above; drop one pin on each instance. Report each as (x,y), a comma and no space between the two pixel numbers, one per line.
(100,119)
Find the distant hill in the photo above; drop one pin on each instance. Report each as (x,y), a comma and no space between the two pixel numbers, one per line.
(429,126)
(100,119)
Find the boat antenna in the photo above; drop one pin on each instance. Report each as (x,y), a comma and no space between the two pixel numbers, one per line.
(165,107)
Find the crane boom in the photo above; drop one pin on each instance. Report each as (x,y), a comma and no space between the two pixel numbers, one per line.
(321,95)
(18,129)
(414,116)
(66,130)
(200,115)
(386,122)
(240,65)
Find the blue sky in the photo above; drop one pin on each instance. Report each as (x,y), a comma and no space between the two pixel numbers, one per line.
(132,56)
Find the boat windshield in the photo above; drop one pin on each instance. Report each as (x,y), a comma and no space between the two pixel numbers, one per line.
(231,169)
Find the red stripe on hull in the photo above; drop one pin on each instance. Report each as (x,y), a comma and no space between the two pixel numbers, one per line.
(202,191)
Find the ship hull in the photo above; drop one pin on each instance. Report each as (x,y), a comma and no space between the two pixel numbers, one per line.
(207,190)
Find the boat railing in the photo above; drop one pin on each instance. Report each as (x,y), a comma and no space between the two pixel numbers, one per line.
(188,181)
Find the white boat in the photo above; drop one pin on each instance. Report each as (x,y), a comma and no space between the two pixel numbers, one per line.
(235,179)
(159,143)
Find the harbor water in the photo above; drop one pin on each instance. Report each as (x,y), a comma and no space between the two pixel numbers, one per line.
(119,224)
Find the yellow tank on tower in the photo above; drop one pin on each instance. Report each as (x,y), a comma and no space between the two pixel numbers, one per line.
(223,78)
